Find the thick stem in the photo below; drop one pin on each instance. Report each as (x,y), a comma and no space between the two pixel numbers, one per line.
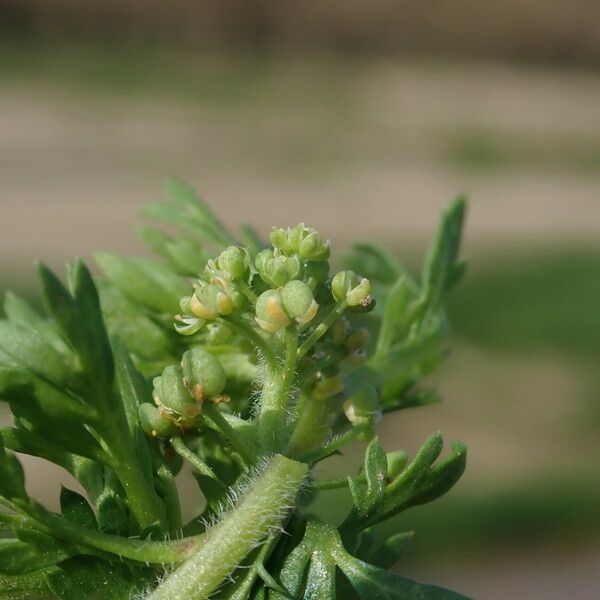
(276,394)
(262,509)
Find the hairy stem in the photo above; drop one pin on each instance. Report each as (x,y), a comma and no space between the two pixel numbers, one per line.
(276,394)
(261,509)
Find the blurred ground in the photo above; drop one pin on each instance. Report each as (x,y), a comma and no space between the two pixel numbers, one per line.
(375,149)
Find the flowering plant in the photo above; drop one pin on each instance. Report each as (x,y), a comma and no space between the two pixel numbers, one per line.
(253,372)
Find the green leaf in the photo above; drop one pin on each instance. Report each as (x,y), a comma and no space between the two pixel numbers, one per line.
(95,579)
(375,469)
(441,270)
(21,313)
(144,337)
(75,508)
(184,255)
(29,586)
(146,282)
(94,347)
(12,479)
(372,582)
(375,263)
(399,314)
(387,555)
(320,581)
(19,439)
(27,349)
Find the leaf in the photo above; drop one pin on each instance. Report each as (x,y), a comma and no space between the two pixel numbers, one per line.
(146,282)
(372,582)
(30,586)
(375,263)
(144,337)
(375,469)
(398,315)
(27,349)
(80,318)
(94,349)
(12,479)
(95,579)
(20,313)
(19,439)
(320,581)
(183,254)
(75,508)
(387,555)
(440,270)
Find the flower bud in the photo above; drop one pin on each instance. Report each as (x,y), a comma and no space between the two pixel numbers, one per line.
(202,374)
(357,358)
(172,397)
(233,260)
(277,269)
(298,301)
(301,240)
(364,404)
(347,285)
(328,387)
(210,301)
(270,314)
(339,331)
(188,325)
(154,424)
(358,339)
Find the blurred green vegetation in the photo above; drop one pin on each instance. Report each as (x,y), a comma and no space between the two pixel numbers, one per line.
(534,301)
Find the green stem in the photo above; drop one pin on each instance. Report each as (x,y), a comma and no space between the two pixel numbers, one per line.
(239,444)
(196,462)
(262,508)
(335,444)
(275,395)
(313,424)
(247,291)
(142,499)
(322,328)
(252,334)
(139,550)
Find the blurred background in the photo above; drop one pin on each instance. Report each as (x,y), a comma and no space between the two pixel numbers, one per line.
(365,120)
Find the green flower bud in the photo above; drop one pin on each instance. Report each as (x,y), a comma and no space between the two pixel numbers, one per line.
(358,339)
(270,314)
(188,325)
(364,404)
(357,358)
(202,374)
(328,387)
(154,424)
(300,240)
(339,331)
(347,285)
(298,301)
(172,397)
(210,301)
(217,333)
(276,269)
(234,260)
(312,248)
